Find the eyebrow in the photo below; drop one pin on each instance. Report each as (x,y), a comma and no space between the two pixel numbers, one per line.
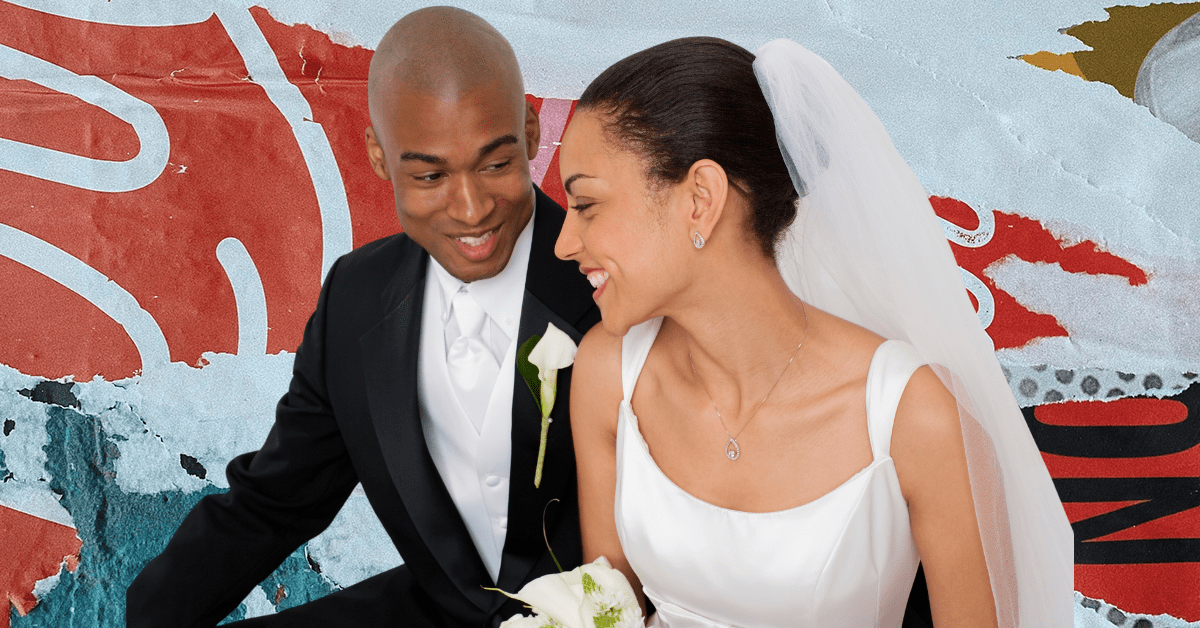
(441,161)
(497,143)
(429,159)
(571,181)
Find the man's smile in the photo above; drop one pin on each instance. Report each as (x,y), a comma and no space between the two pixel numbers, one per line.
(477,248)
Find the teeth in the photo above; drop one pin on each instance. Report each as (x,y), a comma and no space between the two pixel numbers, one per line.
(476,241)
(597,278)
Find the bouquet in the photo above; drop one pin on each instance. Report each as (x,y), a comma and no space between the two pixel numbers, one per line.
(590,596)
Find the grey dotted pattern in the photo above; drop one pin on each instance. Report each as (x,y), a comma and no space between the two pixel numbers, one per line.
(1108,615)
(1039,384)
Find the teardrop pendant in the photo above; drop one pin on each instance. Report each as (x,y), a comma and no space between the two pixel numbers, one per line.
(732,451)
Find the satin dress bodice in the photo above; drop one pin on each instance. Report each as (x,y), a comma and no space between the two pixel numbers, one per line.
(846,558)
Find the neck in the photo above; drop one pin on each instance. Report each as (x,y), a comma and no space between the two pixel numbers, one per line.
(740,325)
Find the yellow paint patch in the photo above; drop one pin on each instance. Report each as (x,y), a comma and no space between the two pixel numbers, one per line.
(1118,44)
(1050,61)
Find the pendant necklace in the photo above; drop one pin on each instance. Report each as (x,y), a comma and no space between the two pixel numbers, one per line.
(732,450)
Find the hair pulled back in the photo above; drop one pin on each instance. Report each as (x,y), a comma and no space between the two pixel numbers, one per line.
(698,98)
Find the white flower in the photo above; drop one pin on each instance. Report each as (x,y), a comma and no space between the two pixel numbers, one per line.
(555,596)
(562,599)
(632,619)
(609,580)
(554,351)
(521,621)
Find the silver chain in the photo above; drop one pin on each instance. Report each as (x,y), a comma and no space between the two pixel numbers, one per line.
(732,450)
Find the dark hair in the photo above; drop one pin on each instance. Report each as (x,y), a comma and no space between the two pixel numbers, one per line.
(697,98)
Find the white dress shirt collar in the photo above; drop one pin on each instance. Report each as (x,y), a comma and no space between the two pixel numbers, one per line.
(500,296)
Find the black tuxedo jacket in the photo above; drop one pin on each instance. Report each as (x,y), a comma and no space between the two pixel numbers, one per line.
(351,415)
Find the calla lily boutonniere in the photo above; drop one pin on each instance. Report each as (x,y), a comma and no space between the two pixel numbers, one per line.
(538,361)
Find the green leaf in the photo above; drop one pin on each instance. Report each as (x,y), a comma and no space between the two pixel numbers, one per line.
(528,371)
(607,619)
(589,585)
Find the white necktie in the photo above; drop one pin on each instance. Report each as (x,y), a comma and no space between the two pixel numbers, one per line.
(473,368)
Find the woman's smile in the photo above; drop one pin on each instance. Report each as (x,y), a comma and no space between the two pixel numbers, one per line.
(598,278)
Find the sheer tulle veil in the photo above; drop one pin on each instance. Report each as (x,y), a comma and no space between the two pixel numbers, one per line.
(867,247)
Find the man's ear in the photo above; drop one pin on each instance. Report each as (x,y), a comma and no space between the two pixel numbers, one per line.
(708,186)
(533,131)
(375,155)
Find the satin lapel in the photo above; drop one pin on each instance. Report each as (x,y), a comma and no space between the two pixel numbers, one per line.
(555,292)
(526,504)
(390,351)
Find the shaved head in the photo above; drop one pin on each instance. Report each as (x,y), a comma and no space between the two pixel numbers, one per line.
(453,133)
(442,52)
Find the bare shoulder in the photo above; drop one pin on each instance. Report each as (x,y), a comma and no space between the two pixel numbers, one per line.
(596,378)
(927,433)
(841,346)
(931,464)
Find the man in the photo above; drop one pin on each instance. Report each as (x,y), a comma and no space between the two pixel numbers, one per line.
(405,379)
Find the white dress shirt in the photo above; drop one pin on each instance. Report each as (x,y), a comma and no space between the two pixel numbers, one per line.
(474,463)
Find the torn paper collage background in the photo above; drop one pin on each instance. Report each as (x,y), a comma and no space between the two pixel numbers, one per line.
(177,177)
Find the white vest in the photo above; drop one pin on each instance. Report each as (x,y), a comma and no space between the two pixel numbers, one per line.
(475,466)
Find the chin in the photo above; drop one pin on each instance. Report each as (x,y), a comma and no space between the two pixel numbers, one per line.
(468,271)
(477,273)
(616,324)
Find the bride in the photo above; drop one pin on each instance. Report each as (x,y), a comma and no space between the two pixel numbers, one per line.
(791,401)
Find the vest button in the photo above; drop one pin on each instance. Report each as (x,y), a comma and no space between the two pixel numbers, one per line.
(492,480)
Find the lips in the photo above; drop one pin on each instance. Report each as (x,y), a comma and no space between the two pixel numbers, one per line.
(597,278)
(469,241)
(477,248)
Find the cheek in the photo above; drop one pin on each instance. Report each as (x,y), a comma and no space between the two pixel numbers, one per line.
(641,256)
(415,208)
(421,202)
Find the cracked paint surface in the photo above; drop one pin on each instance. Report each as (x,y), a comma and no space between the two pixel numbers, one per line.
(1093,261)
(109,478)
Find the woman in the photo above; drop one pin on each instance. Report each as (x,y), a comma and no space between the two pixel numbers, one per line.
(757,454)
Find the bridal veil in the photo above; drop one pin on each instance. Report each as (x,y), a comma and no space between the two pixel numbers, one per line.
(867,246)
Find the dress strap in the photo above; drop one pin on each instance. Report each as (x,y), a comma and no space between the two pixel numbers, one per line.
(892,365)
(635,346)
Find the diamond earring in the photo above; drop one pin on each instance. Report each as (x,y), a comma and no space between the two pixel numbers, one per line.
(697,239)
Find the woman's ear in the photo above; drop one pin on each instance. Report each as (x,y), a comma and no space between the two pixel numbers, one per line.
(375,155)
(709,188)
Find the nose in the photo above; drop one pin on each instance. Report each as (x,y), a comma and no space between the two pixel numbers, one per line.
(470,203)
(569,242)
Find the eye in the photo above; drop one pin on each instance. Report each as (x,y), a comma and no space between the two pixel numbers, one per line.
(429,178)
(581,206)
(498,166)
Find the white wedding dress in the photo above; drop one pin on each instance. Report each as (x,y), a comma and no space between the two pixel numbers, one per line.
(846,558)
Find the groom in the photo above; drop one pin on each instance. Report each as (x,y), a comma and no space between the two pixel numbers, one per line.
(405,378)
